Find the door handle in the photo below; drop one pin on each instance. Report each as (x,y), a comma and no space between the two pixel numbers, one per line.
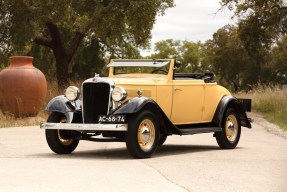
(177,89)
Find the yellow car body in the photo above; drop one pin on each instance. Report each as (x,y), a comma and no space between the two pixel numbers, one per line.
(183,101)
(142,102)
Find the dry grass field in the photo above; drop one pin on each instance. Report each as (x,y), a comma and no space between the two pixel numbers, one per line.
(271,103)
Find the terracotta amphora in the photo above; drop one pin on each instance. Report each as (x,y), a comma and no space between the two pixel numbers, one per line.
(22,88)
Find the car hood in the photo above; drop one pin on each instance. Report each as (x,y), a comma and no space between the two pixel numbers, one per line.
(133,84)
(136,80)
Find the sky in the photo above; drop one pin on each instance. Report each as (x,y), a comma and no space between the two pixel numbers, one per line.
(192,20)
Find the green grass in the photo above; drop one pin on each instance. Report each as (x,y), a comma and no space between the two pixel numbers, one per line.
(271,103)
(277,118)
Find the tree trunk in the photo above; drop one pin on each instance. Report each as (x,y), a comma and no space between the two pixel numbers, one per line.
(62,63)
(63,56)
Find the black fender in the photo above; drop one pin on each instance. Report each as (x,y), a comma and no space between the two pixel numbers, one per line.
(136,105)
(225,103)
(62,105)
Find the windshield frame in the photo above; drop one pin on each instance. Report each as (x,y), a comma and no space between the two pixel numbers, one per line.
(140,64)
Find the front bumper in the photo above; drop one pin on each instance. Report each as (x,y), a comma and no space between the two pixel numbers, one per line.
(85,127)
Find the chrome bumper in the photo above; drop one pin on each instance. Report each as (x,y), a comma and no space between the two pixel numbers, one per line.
(85,127)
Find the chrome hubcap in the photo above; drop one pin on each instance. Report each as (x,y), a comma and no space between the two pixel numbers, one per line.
(231,128)
(146,134)
(64,141)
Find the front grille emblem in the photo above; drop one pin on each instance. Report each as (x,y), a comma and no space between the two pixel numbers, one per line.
(140,93)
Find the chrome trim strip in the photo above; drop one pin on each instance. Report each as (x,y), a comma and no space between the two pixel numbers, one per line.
(85,127)
(99,80)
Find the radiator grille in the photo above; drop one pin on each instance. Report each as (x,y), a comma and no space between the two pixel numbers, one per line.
(95,101)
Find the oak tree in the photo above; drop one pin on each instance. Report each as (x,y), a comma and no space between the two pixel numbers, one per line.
(63,25)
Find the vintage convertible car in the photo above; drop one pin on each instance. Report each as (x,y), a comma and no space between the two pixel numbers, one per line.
(141,103)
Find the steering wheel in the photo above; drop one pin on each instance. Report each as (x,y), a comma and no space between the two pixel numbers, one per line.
(160,70)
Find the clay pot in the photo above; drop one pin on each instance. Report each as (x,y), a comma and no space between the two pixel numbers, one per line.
(22,88)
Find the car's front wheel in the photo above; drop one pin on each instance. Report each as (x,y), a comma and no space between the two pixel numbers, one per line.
(231,130)
(60,141)
(142,136)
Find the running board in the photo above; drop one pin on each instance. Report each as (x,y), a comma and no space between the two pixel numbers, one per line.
(101,139)
(191,131)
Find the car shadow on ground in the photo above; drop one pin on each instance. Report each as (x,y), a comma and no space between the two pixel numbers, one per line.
(122,153)
(169,150)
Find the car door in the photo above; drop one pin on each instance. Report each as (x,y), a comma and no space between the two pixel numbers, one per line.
(187,102)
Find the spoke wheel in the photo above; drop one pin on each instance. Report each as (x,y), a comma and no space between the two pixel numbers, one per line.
(142,136)
(231,130)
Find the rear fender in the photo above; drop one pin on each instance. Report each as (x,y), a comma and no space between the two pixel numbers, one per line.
(225,103)
(138,104)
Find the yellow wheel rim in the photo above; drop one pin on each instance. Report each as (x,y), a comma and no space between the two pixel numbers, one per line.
(62,140)
(231,128)
(146,135)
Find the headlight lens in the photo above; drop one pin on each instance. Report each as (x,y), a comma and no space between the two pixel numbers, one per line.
(119,94)
(72,93)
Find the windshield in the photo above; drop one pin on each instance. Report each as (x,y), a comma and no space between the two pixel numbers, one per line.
(140,66)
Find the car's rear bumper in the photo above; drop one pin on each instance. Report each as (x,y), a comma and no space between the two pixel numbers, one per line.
(85,127)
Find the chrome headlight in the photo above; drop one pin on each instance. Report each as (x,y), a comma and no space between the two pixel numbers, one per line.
(119,94)
(72,93)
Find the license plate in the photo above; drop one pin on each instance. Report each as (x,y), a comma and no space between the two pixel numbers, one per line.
(112,118)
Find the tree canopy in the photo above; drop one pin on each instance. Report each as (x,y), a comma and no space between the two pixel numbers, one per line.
(79,37)
(260,25)
(62,26)
(189,53)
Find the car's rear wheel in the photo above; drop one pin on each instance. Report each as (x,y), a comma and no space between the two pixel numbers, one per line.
(60,141)
(142,136)
(231,130)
